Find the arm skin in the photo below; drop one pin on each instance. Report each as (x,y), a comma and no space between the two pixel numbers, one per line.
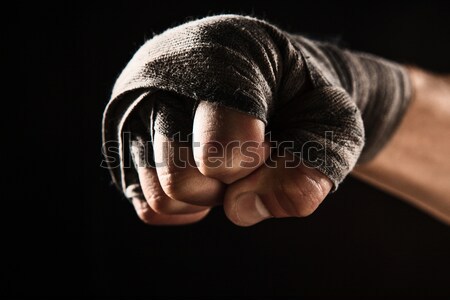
(415,164)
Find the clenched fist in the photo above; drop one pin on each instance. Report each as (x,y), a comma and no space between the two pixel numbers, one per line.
(232,110)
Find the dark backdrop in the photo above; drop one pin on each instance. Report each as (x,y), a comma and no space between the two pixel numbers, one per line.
(68,232)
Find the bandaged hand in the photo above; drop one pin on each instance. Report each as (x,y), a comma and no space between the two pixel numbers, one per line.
(231,110)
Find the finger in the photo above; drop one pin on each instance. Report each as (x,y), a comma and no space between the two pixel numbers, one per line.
(158,200)
(228,145)
(178,174)
(285,188)
(149,216)
(150,186)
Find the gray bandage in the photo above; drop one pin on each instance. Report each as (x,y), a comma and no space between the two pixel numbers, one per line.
(300,88)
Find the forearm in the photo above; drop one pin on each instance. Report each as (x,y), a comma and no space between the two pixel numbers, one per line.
(415,164)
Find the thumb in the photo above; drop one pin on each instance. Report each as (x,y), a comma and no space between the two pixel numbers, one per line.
(281,189)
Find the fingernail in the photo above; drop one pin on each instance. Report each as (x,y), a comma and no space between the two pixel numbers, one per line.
(250,209)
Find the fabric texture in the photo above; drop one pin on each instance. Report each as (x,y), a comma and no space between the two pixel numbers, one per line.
(303,90)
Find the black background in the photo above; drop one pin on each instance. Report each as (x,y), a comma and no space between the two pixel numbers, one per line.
(68,232)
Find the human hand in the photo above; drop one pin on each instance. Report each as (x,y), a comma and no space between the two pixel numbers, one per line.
(227,164)
(245,78)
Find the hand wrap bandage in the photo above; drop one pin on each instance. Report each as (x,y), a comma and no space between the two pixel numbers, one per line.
(300,88)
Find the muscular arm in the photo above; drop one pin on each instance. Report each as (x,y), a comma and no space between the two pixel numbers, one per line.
(239,74)
(415,164)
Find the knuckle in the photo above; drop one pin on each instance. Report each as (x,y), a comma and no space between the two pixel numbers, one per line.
(155,197)
(302,194)
(223,174)
(157,202)
(177,186)
(189,187)
(220,160)
(145,215)
(172,183)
